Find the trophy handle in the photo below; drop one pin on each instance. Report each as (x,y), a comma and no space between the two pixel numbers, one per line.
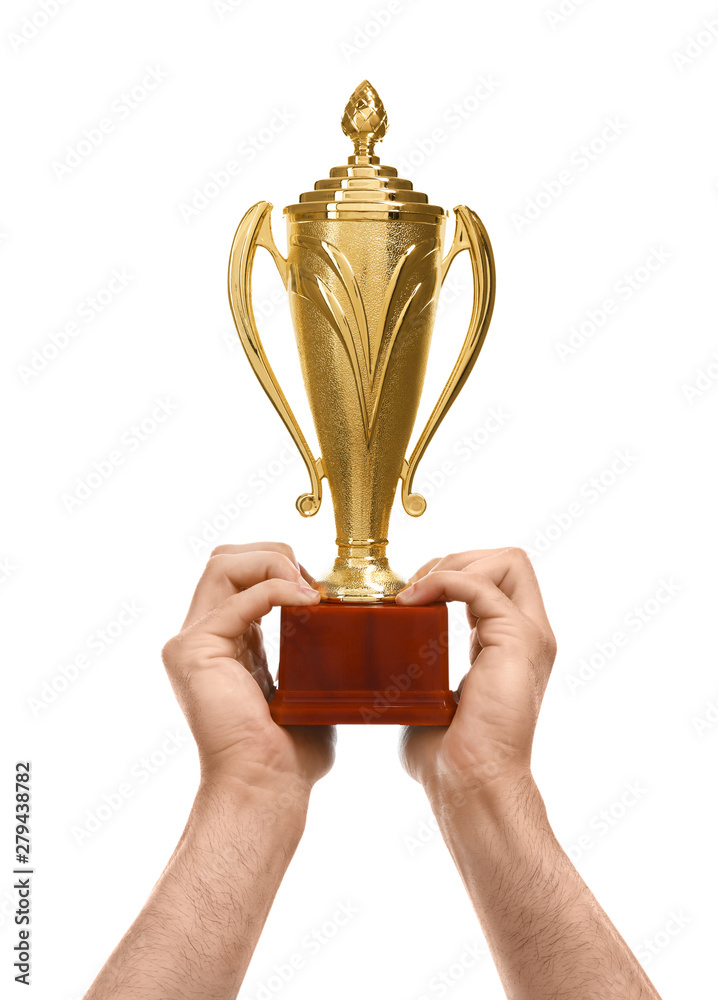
(469,235)
(254,231)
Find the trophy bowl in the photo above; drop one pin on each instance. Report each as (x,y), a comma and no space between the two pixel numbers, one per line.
(364,269)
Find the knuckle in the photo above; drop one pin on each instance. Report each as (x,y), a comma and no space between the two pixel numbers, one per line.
(545,641)
(215,561)
(519,555)
(275,586)
(261,593)
(219,550)
(170,651)
(286,550)
(286,562)
(552,644)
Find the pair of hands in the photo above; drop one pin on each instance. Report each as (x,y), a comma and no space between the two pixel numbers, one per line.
(218,669)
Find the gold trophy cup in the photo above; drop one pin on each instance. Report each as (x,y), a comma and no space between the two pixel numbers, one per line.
(363,273)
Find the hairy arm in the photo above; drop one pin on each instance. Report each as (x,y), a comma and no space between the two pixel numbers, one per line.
(549,937)
(195,935)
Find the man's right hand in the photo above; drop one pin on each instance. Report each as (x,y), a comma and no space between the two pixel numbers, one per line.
(218,669)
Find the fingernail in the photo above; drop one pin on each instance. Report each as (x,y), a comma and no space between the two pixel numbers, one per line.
(308,590)
(406,592)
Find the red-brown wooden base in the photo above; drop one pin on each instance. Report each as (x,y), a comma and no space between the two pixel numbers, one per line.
(368,663)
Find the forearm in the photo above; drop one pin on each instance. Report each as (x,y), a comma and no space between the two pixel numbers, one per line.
(547,933)
(195,936)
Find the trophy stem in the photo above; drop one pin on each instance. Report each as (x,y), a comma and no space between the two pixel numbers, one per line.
(361,573)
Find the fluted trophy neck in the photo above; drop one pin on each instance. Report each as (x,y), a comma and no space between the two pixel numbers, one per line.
(363,188)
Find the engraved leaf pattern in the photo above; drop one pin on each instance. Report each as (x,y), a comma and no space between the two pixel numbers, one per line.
(353,330)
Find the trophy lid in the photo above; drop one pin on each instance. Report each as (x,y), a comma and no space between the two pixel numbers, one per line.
(364,189)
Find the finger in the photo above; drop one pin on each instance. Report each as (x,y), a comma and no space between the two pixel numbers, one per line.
(234,615)
(423,570)
(226,574)
(512,572)
(282,547)
(500,621)
(457,560)
(253,658)
(308,576)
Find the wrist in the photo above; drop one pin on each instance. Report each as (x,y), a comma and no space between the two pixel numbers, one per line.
(469,796)
(279,806)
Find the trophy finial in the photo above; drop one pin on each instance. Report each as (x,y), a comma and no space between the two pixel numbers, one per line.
(364,119)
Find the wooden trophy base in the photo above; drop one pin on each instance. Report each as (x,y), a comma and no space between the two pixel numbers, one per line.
(364,663)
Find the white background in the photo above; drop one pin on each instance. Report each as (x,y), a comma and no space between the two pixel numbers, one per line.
(640,715)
